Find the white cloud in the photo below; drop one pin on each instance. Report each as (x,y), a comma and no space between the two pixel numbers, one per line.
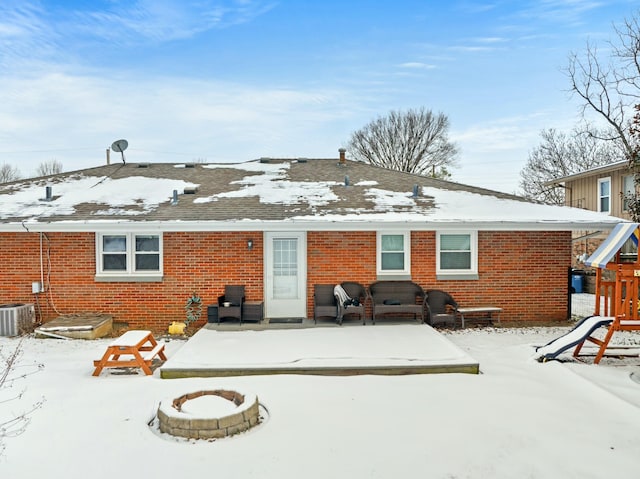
(417,65)
(162,118)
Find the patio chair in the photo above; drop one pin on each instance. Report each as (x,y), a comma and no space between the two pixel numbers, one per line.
(233,298)
(358,293)
(441,307)
(324,302)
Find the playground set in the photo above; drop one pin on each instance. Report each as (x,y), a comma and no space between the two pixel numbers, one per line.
(616,301)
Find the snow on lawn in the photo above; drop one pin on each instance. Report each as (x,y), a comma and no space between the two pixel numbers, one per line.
(517,419)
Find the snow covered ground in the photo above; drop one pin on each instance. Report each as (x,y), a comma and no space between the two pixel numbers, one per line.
(518,418)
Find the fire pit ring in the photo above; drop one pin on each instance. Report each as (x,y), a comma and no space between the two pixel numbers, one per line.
(176,419)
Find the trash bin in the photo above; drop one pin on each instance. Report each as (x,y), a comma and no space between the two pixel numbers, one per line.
(577,281)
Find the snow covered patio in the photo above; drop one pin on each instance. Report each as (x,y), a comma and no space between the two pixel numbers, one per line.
(340,351)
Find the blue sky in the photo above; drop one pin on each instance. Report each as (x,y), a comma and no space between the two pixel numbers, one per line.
(234,80)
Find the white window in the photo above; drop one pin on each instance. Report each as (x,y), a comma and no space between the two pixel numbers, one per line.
(128,255)
(604,195)
(628,189)
(457,253)
(394,253)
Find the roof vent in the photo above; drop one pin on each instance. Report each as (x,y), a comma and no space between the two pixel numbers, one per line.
(302,160)
(264,159)
(174,199)
(189,165)
(48,194)
(143,165)
(416,191)
(190,190)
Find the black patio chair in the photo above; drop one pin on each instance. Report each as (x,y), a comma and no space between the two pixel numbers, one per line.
(230,303)
(324,302)
(441,307)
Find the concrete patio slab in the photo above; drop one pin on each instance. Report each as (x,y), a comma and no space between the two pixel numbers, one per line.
(350,350)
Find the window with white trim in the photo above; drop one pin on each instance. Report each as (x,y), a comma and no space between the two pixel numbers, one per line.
(129,254)
(604,195)
(394,253)
(628,189)
(457,253)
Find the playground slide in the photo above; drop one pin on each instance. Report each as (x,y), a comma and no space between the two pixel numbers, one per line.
(579,333)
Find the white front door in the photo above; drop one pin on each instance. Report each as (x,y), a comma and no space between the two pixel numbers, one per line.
(286,275)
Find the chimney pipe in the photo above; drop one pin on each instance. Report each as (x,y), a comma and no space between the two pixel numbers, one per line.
(343,159)
(174,199)
(48,193)
(108,157)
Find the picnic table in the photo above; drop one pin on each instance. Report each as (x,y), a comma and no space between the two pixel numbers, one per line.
(138,348)
(482,311)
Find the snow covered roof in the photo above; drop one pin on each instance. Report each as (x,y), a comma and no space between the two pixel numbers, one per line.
(278,194)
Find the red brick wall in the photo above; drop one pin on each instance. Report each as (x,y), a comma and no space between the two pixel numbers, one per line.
(525,273)
(200,262)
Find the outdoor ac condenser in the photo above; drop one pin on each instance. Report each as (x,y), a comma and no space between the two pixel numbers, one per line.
(16,318)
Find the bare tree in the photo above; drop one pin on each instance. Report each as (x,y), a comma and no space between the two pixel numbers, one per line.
(610,86)
(15,419)
(8,173)
(633,198)
(51,167)
(415,141)
(561,154)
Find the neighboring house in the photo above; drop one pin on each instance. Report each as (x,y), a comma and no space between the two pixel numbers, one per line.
(137,240)
(599,189)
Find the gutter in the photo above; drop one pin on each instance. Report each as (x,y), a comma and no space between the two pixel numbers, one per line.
(306,225)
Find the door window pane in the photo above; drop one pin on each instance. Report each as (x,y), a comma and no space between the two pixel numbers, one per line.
(285,268)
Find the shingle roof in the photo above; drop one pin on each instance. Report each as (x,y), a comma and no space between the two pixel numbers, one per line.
(277,191)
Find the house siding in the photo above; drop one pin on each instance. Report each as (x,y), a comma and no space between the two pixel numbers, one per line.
(583,192)
(522,272)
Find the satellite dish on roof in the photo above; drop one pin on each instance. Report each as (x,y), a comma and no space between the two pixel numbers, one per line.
(120,146)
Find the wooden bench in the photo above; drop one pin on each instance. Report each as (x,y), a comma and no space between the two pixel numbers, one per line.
(485,312)
(139,348)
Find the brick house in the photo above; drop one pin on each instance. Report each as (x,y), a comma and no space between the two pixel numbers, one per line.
(599,189)
(136,240)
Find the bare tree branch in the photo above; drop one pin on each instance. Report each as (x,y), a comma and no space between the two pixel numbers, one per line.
(51,167)
(561,155)
(415,141)
(8,173)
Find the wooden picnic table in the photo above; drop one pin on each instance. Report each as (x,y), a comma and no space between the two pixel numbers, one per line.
(138,348)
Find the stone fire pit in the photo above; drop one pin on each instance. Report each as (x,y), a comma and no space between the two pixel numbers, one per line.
(209,414)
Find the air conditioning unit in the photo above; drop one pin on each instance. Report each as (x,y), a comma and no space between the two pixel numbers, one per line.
(16,318)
